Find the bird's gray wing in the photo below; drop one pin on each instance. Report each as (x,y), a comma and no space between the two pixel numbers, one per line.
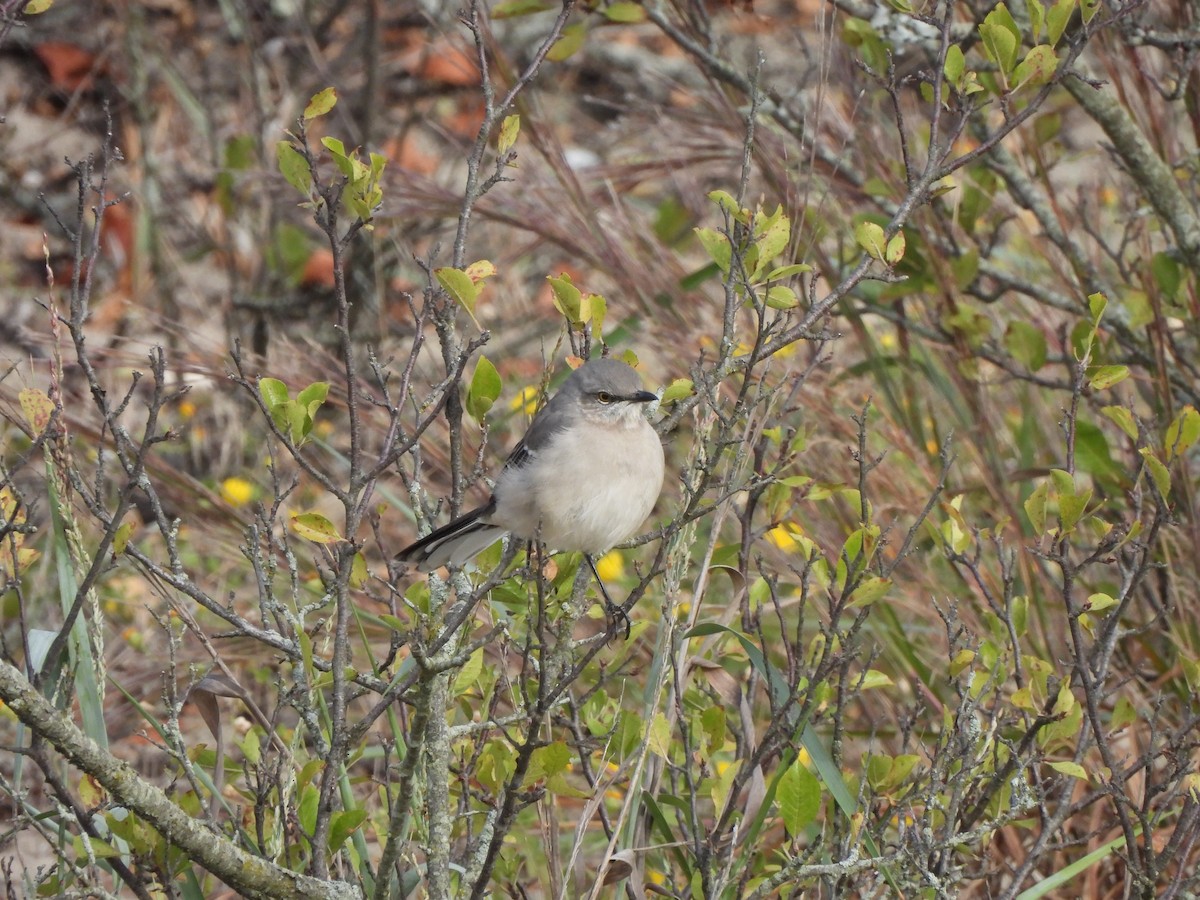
(549,421)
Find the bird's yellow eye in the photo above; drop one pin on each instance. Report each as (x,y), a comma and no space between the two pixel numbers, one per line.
(604,397)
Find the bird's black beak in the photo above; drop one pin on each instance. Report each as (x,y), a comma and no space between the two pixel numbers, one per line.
(642,397)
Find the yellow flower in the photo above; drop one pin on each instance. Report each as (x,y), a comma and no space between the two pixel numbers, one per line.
(237,491)
(526,401)
(611,566)
(783,536)
(187,408)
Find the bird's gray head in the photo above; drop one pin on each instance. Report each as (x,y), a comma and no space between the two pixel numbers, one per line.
(607,388)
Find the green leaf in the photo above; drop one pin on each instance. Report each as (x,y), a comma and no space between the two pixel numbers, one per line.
(870,590)
(1100,602)
(1026,344)
(321,103)
(625,12)
(716,245)
(33,7)
(1057,18)
(1158,472)
(469,673)
(776,231)
(871,238)
(781,297)
(512,8)
(1038,66)
(358,571)
(315,527)
(568,45)
(1035,507)
(1072,501)
(568,299)
(343,824)
(1106,376)
(658,737)
(484,389)
(313,397)
(1122,418)
(1183,432)
(273,392)
(307,812)
(677,390)
(1020,614)
(509,129)
(873,678)
(1124,713)
(1167,274)
(460,287)
(727,202)
(294,167)
(1067,767)
(121,538)
(895,249)
(799,798)
(1001,38)
(1037,16)
(955,65)
(788,271)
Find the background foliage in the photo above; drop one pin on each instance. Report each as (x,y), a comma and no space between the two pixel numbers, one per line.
(916,614)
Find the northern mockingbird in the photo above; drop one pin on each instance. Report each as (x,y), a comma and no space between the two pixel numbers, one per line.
(584,477)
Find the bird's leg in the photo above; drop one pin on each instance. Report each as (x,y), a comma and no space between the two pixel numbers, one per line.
(614,612)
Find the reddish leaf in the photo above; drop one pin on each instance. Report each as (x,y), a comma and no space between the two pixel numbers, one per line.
(70,67)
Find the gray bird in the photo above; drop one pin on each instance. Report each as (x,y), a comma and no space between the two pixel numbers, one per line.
(584,478)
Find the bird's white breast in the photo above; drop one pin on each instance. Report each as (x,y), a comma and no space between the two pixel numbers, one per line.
(592,490)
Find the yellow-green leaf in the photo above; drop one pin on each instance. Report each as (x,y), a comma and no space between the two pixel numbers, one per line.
(460,287)
(1122,418)
(677,390)
(870,590)
(273,392)
(469,673)
(1100,602)
(1102,377)
(716,245)
(1183,432)
(1158,471)
(1038,66)
(625,12)
(1067,767)
(1035,507)
(358,571)
(509,129)
(567,298)
(315,527)
(512,8)
(568,45)
(895,249)
(121,538)
(321,103)
(37,407)
(871,238)
(483,390)
(780,296)
(293,167)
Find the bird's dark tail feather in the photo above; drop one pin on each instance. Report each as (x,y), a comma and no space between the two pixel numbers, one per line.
(455,542)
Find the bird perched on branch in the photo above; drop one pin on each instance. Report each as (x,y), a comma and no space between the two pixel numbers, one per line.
(584,478)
